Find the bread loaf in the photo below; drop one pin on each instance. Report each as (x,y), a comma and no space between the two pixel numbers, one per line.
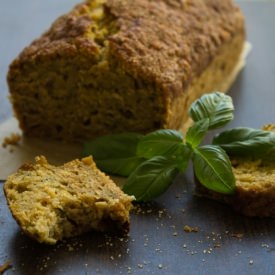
(255,186)
(112,66)
(51,203)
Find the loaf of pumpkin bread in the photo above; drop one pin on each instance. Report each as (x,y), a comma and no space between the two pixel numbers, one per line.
(51,203)
(112,66)
(255,186)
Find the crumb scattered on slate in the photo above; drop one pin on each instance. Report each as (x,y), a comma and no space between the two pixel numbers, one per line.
(203,245)
(13,139)
(237,235)
(189,229)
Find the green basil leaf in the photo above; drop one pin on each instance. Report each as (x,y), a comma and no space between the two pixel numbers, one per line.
(119,166)
(183,156)
(213,169)
(217,107)
(197,132)
(151,178)
(270,155)
(246,141)
(159,143)
(115,154)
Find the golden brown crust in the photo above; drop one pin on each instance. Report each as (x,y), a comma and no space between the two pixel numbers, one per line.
(64,37)
(51,203)
(170,42)
(166,42)
(217,77)
(152,53)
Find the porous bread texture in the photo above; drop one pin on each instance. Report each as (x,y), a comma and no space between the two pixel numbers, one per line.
(52,203)
(255,186)
(112,66)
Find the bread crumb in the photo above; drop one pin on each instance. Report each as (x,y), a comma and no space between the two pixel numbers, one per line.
(189,229)
(7,265)
(13,139)
(264,245)
(238,235)
(269,127)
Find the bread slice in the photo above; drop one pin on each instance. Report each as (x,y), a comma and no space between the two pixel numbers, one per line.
(255,186)
(107,61)
(51,203)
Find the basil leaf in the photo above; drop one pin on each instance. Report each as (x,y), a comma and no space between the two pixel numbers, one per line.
(119,166)
(213,169)
(151,178)
(115,154)
(159,143)
(183,156)
(217,107)
(270,155)
(196,132)
(246,141)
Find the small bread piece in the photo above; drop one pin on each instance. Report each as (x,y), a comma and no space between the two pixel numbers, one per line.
(51,203)
(255,186)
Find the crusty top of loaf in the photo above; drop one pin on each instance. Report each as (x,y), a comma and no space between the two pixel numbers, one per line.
(166,42)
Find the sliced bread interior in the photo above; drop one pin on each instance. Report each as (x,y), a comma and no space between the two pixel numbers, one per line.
(55,202)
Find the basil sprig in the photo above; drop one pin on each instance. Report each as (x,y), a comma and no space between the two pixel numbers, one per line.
(211,164)
(151,162)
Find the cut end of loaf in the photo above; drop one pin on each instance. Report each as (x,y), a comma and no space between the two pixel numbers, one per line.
(52,203)
(255,186)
